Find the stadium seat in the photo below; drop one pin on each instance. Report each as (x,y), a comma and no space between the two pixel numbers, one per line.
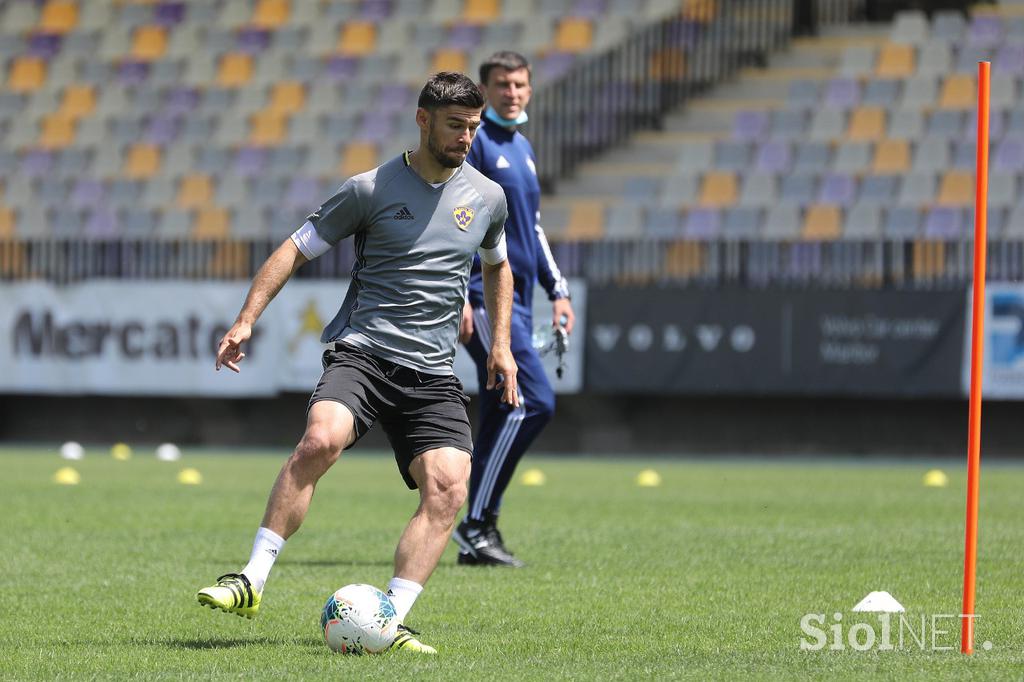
(77,101)
(867,123)
(26,74)
(903,222)
(267,128)
(774,156)
(358,157)
(958,92)
(917,189)
(448,59)
(481,11)
(142,161)
(822,222)
(813,156)
(586,220)
(838,188)
(271,14)
(798,189)
(234,71)
(624,219)
(919,92)
(58,131)
(573,35)
(211,222)
(357,38)
(782,222)
(287,97)
(58,17)
(863,221)
(933,154)
(702,223)
(741,223)
(149,43)
(956,189)
(1002,189)
(895,61)
(760,190)
(718,189)
(827,124)
(891,156)
(195,191)
(852,157)
(857,61)
(910,27)
(944,222)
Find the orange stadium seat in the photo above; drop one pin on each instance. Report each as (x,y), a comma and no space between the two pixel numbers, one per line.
(958,92)
(59,16)
(149,43)
(287,97)
(684,259)
(703,11)
(719,189)
(142,161)
(268,128)
(211,222)
(235,70)
(896,61)
(58,131)
(586,220)
(26,74)
(957,189)
(358,38)
(195,191)
(6,223)
(867,123)
(574,35)
(891,156)
(449,59)
(358,157)
(77,101)
(481,11)
(271,13)
(822,221)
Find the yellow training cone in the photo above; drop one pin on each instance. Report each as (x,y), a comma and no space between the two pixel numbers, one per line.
(121,452)
(189,476)
(534,477)
(648,478)
(936,478)
(66,476)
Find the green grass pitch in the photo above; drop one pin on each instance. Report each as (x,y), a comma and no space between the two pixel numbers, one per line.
(704,577)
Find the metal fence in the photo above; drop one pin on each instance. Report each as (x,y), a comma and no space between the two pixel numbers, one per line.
(918,264)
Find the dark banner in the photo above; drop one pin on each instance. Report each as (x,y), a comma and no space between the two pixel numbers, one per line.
(870,343)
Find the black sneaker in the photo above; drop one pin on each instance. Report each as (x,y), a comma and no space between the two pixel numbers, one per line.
(479,548)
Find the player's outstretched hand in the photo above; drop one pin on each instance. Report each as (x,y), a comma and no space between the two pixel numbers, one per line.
(229,353)
(500,363)
(563,315)
(466,325)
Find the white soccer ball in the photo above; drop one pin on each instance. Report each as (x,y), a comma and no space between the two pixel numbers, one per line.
(168,452)
(72,450)
(359,619)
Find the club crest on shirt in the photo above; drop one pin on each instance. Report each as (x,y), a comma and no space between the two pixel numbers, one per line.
(463,216)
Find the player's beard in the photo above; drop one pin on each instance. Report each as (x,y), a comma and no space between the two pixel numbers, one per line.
(446,159)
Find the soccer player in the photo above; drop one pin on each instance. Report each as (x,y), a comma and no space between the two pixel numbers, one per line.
(417,221)
(506,430)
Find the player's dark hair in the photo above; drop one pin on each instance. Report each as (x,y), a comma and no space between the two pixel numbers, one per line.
(505,59)
(450,88)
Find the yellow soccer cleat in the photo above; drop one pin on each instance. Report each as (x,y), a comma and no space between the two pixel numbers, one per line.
(405,641)
(233,593)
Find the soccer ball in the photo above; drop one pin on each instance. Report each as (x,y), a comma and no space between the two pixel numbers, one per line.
(359,619)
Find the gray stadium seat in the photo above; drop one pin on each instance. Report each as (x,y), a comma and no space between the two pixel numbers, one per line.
(932,154)
(159,192)
(812,156)
(906,124)
(857,61)
(678,189)
(624,219)
(759,190)
(782,222)
(827,124)
(917,189)
(935,58)
(695,156)
(852,157)
(798,188)
(919,91)
(878,189)
(903,222)
(174,224)
(863,221)
(910,27)
(742,223)
(1002,189)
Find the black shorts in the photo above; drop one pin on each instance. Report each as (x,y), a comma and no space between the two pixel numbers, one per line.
(418,411)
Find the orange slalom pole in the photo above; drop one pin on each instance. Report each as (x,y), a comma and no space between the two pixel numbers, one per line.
(977,354)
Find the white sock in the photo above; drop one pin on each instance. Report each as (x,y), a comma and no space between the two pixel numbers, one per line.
(265,549)
(403,595)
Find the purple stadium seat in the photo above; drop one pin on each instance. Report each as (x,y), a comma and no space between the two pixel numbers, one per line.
(774,156)
(588,9)
(838,189)
(169,13)
(130,72)
(181,100)
(341,68)
(250,161)
(375,10)
(43,45)
(703,223)
(252,40)
(376,128)
(162,129)
(87,193)
(556,64)
(749,125)
(392,97)
(1010,58)
(1009,154)
(302,192)
(944,222)
(842,93)
(986,30)
(36,163)
(464,37)
(102,223)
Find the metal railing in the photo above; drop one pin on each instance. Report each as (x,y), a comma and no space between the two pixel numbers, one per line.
(608,96)
(916,264)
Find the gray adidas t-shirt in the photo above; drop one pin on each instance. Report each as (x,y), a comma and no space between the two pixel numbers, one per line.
(414,247)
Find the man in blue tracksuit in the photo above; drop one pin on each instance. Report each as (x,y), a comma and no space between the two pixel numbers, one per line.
(504,433)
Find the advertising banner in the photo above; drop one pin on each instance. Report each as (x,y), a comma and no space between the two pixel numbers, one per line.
(679,340)
(1003,358)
